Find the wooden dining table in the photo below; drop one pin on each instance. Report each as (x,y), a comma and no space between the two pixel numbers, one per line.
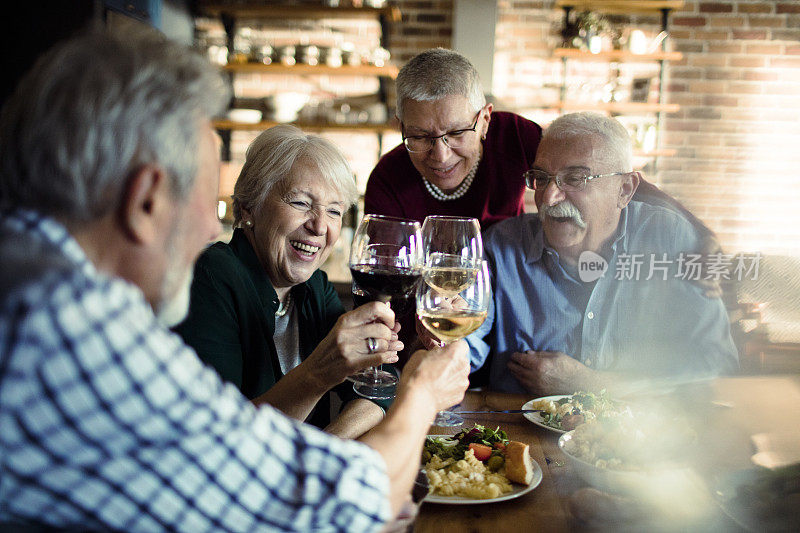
(725,412)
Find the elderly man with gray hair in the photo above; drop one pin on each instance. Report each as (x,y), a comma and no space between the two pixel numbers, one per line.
(604,300)
(108,421)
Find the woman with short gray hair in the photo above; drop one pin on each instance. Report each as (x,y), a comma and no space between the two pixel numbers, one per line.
(263,313)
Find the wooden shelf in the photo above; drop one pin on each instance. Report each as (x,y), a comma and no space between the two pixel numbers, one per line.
(225,124)
(621,6)
(388,71)
(272,11)
(616,55)
(662,152)
(619,107)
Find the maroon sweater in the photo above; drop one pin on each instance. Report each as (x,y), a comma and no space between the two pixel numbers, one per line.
(395,187)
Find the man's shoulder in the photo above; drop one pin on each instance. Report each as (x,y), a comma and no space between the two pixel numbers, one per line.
(652,225)
(219,260)
(513,230)
(512,226)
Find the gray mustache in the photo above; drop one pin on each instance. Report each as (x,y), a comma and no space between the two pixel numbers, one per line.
(565,209)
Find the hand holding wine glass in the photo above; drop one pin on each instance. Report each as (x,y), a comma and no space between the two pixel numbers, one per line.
(385,261)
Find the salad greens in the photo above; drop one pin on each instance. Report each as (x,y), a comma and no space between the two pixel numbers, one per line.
(455,446)
(582,406)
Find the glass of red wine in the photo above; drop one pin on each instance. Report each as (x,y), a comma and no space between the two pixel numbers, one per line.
(385,261)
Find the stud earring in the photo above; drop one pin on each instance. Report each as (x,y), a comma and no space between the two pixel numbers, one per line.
(248,223)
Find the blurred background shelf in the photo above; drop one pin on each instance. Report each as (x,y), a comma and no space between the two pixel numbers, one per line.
(619,107)
(621,6)
(272,11)
(225,124)
(388,71)
(616,55)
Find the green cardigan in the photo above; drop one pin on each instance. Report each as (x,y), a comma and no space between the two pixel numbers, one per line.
(231,320)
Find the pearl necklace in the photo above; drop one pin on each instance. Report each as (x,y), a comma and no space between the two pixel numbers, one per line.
(284,307)
(460,191)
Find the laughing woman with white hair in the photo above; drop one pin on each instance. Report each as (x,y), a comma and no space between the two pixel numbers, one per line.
(262,313)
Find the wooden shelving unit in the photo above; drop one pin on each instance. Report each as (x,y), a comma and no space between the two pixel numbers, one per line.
(233,14)
(663,152)
(387,71)
(619,107)
(662,56)
(620,7)
(224,124)
(255,11)
(615,55)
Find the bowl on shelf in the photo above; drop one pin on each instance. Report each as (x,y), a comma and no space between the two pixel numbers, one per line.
(249,116)
(284,107)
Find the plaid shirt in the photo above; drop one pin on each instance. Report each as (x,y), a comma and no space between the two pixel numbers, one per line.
(108,421)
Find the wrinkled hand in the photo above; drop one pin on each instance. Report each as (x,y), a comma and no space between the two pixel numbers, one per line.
(428,340)
(441,373)
(344,350)
(548,373)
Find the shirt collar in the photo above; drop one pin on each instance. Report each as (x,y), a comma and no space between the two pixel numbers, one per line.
(534,246)
(50,231)
(620,243)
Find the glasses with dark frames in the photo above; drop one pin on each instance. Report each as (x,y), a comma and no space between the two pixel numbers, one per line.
(452,139)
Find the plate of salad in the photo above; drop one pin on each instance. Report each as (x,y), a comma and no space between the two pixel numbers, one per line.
(499,457)
(564,412)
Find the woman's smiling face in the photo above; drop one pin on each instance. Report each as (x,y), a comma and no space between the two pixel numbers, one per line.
(297,226)
(443,166)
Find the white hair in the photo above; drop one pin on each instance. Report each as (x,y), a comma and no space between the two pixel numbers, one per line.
(269,161)
(617,147)
(97,107)
(436,73)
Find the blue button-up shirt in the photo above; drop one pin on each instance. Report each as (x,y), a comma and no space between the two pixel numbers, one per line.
(659,327)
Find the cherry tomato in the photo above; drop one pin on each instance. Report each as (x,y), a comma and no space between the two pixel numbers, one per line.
(481,451)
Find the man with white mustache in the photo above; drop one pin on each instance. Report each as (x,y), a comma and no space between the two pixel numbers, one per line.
(563,318)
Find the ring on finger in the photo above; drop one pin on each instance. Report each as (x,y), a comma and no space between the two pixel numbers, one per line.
(372,344)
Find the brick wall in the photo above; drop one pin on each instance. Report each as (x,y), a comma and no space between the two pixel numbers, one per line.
(738,131)
(426,24)
(737,135)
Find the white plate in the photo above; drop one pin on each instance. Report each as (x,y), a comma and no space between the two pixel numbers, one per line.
(516,492)
(536,418)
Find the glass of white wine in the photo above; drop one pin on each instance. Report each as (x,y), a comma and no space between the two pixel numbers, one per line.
(450,315)
(454,236)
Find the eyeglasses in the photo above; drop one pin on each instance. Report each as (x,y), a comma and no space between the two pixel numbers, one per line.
(568,179)
(451,139)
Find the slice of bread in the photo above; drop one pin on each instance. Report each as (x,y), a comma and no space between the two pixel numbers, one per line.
(519,467)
